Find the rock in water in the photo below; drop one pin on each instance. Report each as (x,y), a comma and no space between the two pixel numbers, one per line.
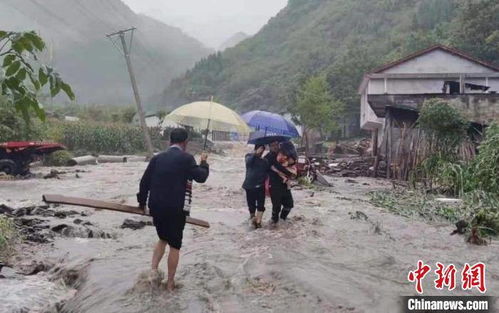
(5,209)
(132,224)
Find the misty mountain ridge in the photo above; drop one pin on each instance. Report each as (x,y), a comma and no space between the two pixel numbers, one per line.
(77,47)
(342,39)
(233,40)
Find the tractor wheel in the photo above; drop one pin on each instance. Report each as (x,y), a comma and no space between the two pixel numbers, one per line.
(9,167)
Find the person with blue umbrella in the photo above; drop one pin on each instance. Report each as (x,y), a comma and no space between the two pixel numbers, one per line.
(270,124)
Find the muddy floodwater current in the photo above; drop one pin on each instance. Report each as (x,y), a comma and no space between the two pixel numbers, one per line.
(325,258)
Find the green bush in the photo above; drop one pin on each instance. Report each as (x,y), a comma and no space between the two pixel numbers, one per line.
(480,174)
(485,167)
(444,126)
(8,236)
(58,158)
(14,128)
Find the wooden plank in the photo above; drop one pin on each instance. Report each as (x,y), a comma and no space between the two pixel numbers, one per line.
(98,204)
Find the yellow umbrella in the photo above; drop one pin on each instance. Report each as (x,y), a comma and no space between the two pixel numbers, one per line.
(209,115)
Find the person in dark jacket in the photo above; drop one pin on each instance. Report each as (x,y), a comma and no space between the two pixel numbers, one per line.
(280,194)
(254,184)
(166,183)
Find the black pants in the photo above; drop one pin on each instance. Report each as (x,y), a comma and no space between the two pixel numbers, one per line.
(170,226)
(256,199)
(282,201)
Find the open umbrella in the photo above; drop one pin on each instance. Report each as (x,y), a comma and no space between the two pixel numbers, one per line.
(270,123)
(211,116)
(260,138)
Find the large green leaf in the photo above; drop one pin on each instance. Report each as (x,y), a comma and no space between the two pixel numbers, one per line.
(35,40)
(12,69)
(26,43)
(9,58)
(67,89)
(12,83)
(21,74)
(40,112)
(55,89)
(18,46)
(3,34)
(42,77)
(34,81)
(5,88)
(22,105)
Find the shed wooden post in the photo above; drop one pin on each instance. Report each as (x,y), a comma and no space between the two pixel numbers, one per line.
(375,151)
(374,140)
(461,84)
(388,118)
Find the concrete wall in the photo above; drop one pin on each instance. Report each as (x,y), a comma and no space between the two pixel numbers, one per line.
(423,85)
(477,108)
(368,119)
(439,61)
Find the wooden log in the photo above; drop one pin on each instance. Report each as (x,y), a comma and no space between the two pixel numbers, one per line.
(83,160)
(98,204)
(112,159)
(136,158)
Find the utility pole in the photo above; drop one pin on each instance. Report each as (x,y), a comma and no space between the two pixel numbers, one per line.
(140,110)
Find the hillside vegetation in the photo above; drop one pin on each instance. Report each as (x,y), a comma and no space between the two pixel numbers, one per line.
(78,49)
(342,39)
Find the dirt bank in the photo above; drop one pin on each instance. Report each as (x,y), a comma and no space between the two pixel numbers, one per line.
(326,258)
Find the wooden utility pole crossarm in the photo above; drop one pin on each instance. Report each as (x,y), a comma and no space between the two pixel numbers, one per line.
(140,110)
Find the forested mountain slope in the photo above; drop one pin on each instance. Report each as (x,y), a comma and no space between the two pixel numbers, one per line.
(341,38)
(233,40)
(75,31)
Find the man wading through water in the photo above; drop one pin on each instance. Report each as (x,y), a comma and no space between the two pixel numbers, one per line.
(167,182)
(280,193)
(254,184)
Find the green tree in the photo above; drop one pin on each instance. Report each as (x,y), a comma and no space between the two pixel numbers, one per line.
(22,76)
(13,127)
(315,107)
(476,29)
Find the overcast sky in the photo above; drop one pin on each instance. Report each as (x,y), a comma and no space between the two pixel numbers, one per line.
(211,21)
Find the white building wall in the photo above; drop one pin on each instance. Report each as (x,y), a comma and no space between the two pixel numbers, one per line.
(439,61)
(434,62)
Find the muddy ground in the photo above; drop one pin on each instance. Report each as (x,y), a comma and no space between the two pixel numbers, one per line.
(327,258)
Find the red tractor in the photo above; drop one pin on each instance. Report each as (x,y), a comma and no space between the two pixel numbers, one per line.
(15,157)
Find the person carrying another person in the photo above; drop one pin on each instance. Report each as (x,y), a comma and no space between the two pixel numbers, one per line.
(281,158)
(166,183)
(254,184)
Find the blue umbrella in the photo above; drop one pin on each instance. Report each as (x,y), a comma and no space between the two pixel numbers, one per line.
(270,123)
(261,138)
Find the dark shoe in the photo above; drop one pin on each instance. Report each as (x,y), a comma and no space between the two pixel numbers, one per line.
(254,223)
(284,214)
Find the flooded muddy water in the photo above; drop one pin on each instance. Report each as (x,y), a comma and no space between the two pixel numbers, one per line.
(325,258)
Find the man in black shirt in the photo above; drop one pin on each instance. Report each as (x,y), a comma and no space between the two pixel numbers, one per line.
(282,199)
(165,182)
